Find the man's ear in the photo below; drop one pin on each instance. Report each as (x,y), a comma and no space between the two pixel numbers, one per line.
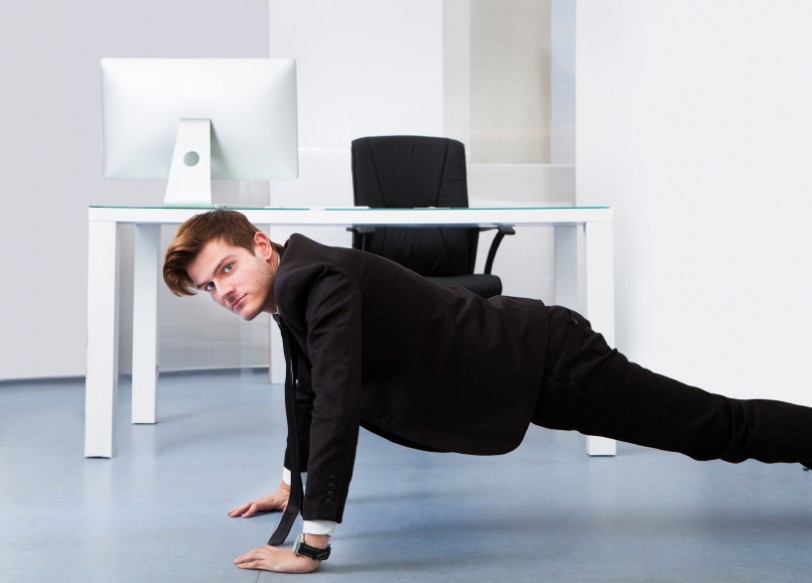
(262,245)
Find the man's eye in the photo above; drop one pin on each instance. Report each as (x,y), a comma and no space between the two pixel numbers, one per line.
(208,287)
(228,267)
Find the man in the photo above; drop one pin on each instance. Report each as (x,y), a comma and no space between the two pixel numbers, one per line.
(440,369)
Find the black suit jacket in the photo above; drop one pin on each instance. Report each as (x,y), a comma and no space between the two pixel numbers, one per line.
(425,366)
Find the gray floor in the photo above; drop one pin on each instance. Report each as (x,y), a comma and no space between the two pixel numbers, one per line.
(157,512)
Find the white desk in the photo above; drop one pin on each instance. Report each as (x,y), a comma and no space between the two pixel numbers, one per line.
(583,273)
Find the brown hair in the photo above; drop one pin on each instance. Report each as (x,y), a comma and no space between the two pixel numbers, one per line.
(230,226)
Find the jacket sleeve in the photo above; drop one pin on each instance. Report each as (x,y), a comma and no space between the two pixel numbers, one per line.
(331,304)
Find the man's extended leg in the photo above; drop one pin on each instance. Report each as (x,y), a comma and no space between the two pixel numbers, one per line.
(594,389)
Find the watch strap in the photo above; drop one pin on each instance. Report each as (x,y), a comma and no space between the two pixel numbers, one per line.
(304,549)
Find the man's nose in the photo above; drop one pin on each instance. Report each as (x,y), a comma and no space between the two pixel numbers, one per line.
(223,292)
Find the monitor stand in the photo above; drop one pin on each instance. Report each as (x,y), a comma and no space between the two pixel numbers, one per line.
(189,181)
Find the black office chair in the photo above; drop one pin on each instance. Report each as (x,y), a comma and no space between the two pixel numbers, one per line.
(420,172)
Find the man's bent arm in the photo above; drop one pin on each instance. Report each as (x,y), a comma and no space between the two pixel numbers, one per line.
(322,306)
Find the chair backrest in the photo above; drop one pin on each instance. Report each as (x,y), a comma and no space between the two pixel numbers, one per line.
(415,171)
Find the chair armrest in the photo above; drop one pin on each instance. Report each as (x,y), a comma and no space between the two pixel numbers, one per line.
(362,235)
(497,239)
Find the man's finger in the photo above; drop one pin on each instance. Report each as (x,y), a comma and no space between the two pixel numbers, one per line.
(250,555)
(256,554)
(251,565)
(236,511)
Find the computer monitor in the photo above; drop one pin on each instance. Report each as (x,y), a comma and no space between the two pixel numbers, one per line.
(193,120)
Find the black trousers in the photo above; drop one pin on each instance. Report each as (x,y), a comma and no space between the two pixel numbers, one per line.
(592,388)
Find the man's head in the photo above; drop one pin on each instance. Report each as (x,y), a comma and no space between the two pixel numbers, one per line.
(222,253)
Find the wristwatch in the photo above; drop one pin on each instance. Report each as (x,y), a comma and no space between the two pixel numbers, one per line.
(300,548)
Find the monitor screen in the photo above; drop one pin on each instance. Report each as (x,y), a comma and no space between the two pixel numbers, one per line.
(250,105)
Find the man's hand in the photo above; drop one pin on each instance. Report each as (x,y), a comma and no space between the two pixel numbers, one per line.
(270,558)
(276,501)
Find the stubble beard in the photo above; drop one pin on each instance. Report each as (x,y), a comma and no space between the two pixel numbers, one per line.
(265,283)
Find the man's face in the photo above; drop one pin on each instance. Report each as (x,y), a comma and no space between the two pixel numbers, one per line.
(240,281)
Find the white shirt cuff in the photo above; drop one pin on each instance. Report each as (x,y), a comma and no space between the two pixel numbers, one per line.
(323,527)
(319,527)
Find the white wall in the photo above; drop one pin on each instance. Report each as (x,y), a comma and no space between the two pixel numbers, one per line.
(694,124)
(510,81)
(364,68)
(51,166)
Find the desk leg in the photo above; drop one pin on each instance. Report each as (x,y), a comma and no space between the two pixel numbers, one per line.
(145,318)
(584,281)
(569,268)
(101,380)
(600,302)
